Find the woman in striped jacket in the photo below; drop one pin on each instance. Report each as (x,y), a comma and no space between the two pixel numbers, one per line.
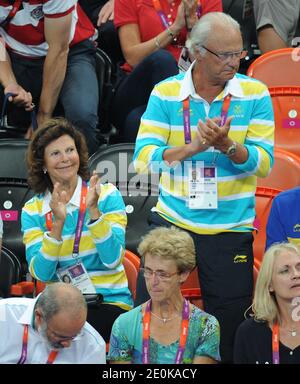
(74,228)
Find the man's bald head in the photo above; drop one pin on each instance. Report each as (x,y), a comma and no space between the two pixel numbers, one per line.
(61,298)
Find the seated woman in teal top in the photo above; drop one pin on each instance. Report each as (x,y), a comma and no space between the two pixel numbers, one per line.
(167,329)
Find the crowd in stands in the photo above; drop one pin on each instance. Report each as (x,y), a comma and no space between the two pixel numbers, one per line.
(206,129)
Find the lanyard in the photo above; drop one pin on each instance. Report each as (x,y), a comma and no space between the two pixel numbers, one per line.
(275,343)
(23,357)
(80,221)
(163,18)
(199,9)
(183,334)
(186,116)
(16,6)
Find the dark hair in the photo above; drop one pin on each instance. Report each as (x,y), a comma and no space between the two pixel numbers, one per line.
(52,130)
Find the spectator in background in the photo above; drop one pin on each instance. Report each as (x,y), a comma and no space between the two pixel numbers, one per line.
(284,218)
(211,117)
(169,257)
(49,329)
(152,42)
(101,13)
(72,227)
(51,55)
(272,335)
(276,23)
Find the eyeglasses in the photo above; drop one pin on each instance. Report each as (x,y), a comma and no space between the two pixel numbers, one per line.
(161,275)
(227,56)
(65,338)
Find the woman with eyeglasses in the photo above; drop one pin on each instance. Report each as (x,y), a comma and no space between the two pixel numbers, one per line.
(167,329)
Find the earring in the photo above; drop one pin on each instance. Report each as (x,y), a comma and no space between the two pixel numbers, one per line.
(44,170)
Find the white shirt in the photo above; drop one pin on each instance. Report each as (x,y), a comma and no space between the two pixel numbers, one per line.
(188,89)
(16,312)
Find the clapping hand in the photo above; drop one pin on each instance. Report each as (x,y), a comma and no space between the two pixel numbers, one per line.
(211,134)
(58,203)
(93,197)
(190,12)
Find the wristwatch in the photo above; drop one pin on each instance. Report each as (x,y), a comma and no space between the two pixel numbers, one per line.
(231,150)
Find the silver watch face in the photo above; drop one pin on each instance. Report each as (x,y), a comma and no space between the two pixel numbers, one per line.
(231,150)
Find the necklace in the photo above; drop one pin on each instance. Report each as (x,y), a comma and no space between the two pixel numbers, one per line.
(293,332)
(164,319)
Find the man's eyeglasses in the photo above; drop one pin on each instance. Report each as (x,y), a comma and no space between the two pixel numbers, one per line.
(227,56)
(65,338)
(161,275)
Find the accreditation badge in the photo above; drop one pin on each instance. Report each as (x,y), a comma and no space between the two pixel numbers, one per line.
(203,191)
(184,60)
(77,276)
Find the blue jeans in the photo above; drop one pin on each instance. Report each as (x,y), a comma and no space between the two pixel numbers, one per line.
(79,95)
(133,91)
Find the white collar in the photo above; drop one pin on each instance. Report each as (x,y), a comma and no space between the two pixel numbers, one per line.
(75,199)
(187,87)
(27,316)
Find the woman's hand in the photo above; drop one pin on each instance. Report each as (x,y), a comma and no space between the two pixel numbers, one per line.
(179,22)
(58,203)
(190,13)
(93,197)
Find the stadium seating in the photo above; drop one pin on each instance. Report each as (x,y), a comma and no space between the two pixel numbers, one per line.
(285,173)
(264,198)
(277,68)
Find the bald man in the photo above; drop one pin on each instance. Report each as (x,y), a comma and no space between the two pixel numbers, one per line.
(49,329)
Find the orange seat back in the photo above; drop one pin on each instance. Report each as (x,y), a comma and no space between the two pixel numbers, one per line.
(285,173)
(264,198)
(279,67)
(286,105)
(191,289)
(131,264)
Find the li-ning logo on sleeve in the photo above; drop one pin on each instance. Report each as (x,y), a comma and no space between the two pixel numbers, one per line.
(240,259)
(37,13)
(297,228)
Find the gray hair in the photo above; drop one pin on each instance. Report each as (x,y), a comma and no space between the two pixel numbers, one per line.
(203,28)
(61,297)
(170,244)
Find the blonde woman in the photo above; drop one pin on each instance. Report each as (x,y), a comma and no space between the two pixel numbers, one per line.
(272,335)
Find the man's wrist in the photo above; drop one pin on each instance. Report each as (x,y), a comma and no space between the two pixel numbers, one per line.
(94,213)
(225,146)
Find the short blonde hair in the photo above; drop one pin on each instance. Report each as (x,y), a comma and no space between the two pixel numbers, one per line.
(264,303)
(171,244)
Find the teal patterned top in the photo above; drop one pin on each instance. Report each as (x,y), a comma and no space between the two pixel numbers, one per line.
(127,334)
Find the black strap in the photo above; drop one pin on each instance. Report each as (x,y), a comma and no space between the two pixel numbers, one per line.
(33,115)
(16,6)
